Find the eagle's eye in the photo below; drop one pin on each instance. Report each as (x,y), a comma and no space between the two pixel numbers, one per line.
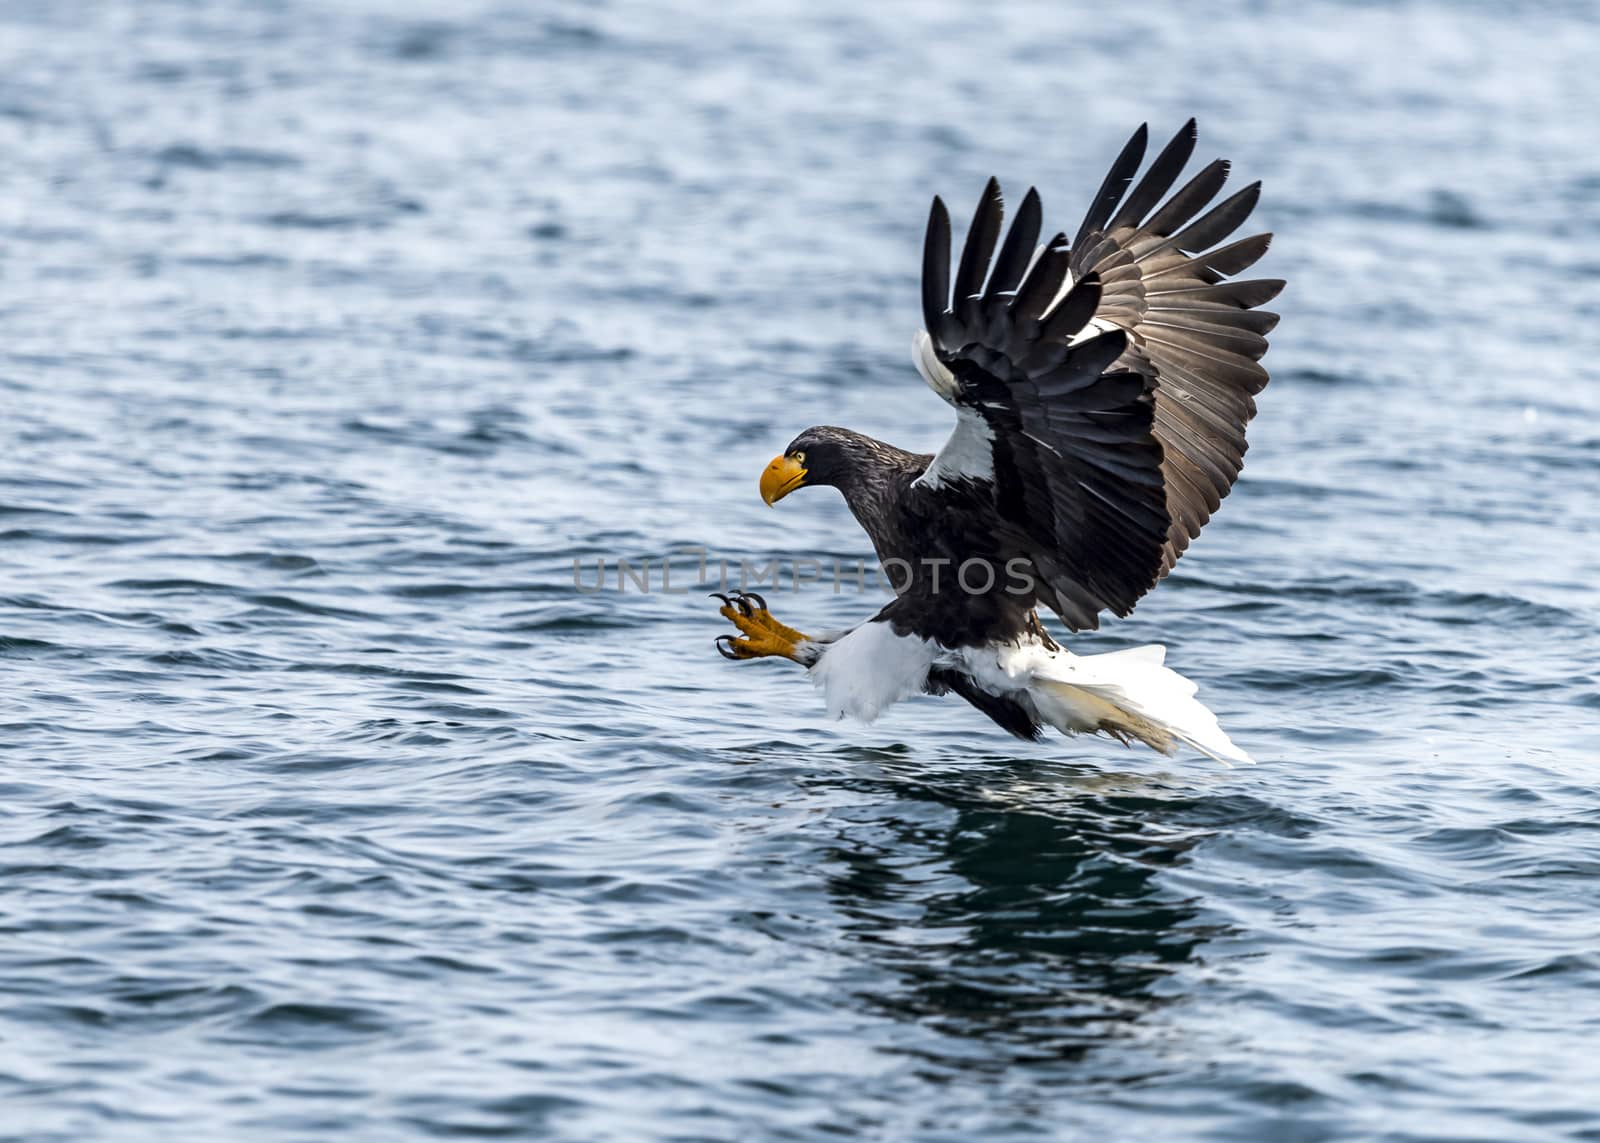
(800,457)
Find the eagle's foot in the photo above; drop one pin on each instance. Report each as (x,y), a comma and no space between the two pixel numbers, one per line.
(761,635)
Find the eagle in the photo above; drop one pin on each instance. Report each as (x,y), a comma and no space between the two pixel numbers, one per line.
(1101,389)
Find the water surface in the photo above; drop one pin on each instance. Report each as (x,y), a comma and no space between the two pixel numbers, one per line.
(334,333)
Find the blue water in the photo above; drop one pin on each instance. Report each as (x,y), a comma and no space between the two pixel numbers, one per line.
(332,333)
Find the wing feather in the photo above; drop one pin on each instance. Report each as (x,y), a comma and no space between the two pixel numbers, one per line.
(1189,201)
(1158,179)
(1017,250)
(1042,284)
(936,268)
(1196,334)
(1074,311)
(976,252)
(1231,295)
(1123,168)
(1218,222)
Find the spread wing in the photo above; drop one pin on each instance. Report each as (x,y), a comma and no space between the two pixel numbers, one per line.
(1162,274)
(1102,389)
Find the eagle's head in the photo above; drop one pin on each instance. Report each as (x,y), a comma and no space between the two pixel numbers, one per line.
(820,455)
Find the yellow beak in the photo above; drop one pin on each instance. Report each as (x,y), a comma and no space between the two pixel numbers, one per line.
(781,477)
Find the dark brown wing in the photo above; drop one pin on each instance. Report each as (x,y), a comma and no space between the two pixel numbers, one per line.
(1162,279)
(1059,440)
(1103,389)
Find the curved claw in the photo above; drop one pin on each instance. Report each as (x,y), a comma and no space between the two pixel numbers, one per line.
(760,602)
(726,651)
(740,600)
(718,595)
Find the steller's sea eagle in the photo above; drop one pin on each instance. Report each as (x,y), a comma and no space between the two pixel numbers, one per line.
(1101,390)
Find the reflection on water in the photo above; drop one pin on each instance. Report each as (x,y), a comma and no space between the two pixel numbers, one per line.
(1018,908)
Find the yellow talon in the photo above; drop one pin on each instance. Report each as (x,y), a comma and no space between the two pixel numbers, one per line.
(761,635)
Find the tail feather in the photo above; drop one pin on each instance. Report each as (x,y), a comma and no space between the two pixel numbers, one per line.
(1162,721)
(1127,694)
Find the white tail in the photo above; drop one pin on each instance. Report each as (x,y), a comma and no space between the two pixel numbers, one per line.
(1126,694)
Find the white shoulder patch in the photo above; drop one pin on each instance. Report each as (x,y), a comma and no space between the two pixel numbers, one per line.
(968,454)
(969,451)
(934,372)
(870,669)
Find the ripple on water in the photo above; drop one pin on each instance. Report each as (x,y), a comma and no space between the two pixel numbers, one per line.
(330,808)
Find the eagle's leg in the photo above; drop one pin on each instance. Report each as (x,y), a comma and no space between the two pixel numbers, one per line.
(760,634)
